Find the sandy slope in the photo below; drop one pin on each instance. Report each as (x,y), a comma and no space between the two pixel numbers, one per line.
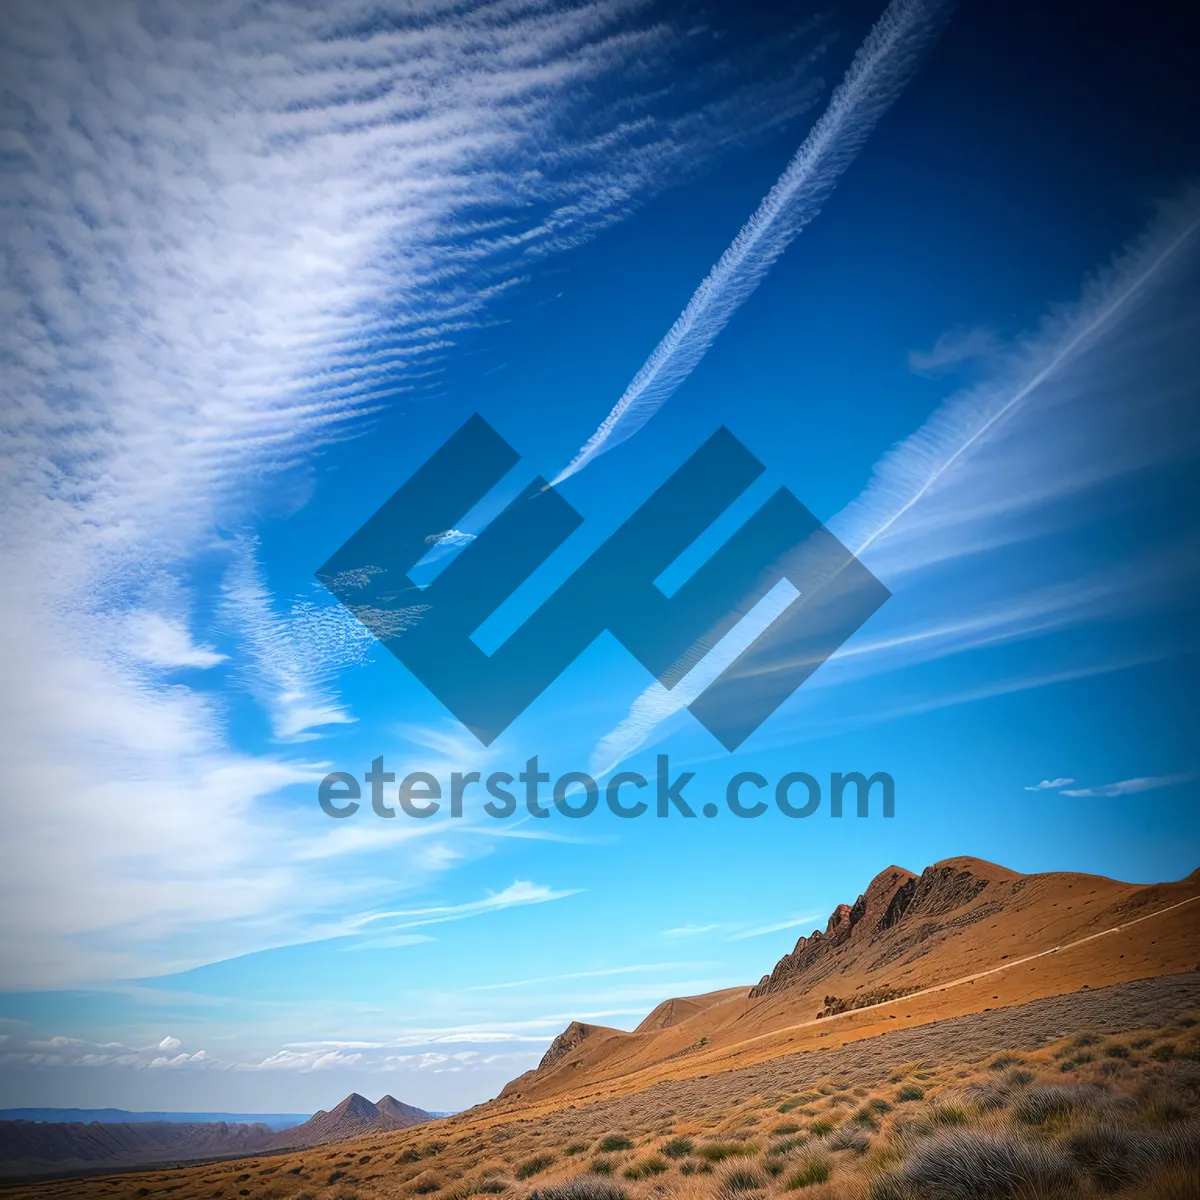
(962,937)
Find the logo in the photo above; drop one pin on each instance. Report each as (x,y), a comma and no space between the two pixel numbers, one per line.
(429,629)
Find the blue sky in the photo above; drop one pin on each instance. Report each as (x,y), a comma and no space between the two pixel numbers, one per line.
(248,294)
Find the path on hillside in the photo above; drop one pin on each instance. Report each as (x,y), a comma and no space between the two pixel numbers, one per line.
(953,983)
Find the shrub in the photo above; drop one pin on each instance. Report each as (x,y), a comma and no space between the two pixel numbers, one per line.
(1116,1050)
(1038,1105)
(850,1138)
(531,1166)
(646,1168)
(614,1142)
(1004,1060)
(1018,1077)
(1163,1053)
(719,1151)
(491,1187)
(602,1166)
(816,1170)
(1114,1156)
(878,1104)
(582,1187)
(678,1147)
(784,1130)
(575,1148)
(692,1167)
(822,1127)
(964,1165)
(741,1179)
(947,1114)
(910,1091)
(787,1145)
(864,1117)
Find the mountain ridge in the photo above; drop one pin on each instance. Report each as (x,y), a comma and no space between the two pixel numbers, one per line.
(951,937)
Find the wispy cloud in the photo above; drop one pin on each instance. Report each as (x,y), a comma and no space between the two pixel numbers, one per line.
(923,507)
(881,69)
(600,973)
(1130,787)
(687,931)
(1048,784)
(238,239)
(954,348)
(774,927)
(519,893)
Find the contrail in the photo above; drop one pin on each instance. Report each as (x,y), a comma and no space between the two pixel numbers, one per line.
(884,64)
(911,470)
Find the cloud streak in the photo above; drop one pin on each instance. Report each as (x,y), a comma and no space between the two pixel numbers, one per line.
(1131,787)
(881,69)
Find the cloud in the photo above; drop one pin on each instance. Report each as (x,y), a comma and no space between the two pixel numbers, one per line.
(240,240)
(1065,409)
(686,931)
(1048,783)
(1130,787)
(601,973)
(776,927)
(165,642)
(954,348)
(519,893)
(881,69)
(170,1043)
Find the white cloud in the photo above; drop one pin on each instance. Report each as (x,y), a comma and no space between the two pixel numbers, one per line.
(165,642)
(521,892)
(1048,783)
(1130,787)
(879,73)
(170,1043)
(239,234)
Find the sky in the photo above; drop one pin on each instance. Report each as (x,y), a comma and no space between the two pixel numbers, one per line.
(935,267)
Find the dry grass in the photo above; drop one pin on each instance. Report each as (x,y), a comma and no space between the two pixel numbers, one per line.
(1027,1120)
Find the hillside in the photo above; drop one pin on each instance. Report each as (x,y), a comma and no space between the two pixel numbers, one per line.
(962,936)
(995,1101)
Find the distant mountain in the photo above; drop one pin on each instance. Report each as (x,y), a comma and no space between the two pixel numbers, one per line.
(41,1141)
(121,1116)
(354,1116)
(29,1148)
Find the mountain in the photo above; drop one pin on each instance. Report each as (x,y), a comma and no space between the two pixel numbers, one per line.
(30,1148)
(354,1116)
(962,936)
(39,1147)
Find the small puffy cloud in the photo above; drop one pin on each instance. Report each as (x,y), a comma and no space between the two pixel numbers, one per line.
(1048,784)
(952,349)
(451,537)
(169,1043)
(1130,787)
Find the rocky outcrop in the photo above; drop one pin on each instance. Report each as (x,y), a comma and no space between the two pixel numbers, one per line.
(881,906)
(899,910)
(566,1041)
